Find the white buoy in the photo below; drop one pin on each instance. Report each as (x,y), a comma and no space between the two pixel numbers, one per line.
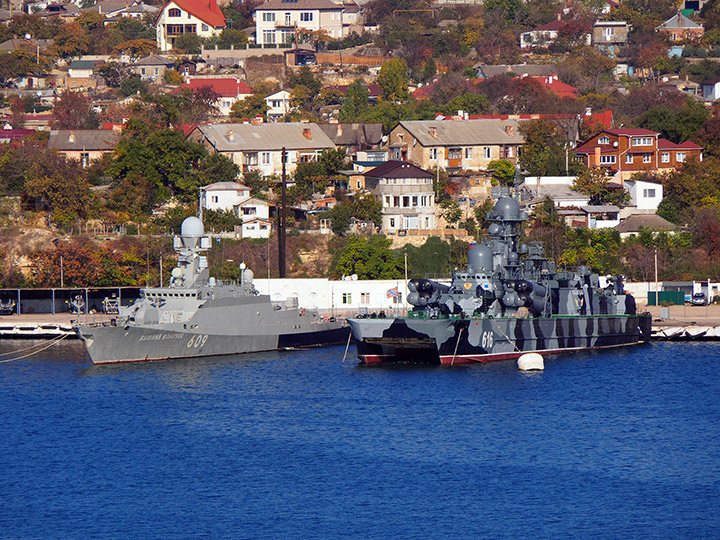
(531,362)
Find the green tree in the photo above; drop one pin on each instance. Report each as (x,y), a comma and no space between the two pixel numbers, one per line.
(74,111)
(132,85)
(429,70)
(676,125)
(594,184)
(217,168)
(450,211)
(189,43)
(65,198)
(393,80)
(545,148)
(305,77)
(433,257)
(249,108)
(356,102)
(369,259)
(503,172)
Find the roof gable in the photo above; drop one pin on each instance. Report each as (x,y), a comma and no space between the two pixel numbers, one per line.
(269,137)
(226,87)
(398,169)
(679,22)
(205,10)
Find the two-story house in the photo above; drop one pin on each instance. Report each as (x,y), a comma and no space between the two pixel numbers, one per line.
(406,194)
(259,147)
(278,105)
(608,36)
(626,151)
(152,67)
(277,21)
(681,29)
(198,17)
(83,145)
(542,36)
(455,144)
(228,89)
(231,196)
(363,142)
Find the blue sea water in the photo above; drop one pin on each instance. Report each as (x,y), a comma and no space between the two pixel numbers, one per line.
(620,444)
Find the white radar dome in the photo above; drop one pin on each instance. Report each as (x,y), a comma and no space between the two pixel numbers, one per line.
(192,226)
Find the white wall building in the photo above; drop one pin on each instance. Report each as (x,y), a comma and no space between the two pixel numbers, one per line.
(222,196)
(254,213)
(278,105)
(645,195)
(198,17)
(277,21)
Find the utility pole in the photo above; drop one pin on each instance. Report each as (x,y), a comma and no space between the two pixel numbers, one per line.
(281,219)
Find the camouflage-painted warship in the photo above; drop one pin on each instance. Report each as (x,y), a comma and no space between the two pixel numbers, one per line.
(197,315)
(509,301)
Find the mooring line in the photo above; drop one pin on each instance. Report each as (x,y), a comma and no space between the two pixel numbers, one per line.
(56,338)
(35,352)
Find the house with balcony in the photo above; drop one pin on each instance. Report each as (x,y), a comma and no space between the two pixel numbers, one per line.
(278,21)
(278,105)
(258,147)
(625,151)
(83,145)
(406,193)
(680,29)
(609,36)
(228,89)
(199,17)
(455,145)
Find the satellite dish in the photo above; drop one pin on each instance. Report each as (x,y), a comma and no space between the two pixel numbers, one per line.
(615,144)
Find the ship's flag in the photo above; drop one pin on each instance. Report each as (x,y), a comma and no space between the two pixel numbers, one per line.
(393,293)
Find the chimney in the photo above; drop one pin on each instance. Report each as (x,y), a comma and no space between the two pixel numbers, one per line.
(510,130)
(307,133)
(433,132)
(339,130)
(230,135)
(597,156)
(71,137)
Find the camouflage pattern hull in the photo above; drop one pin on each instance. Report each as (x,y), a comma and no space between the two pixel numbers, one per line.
(465,341)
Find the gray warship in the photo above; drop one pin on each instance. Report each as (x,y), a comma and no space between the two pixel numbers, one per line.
(509,301)
(197,315)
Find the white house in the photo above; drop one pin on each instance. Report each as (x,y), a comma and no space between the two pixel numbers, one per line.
(278,105)
(198,17)
(222,196)
(542,36)
(277,21)
(254,213)
(645,196)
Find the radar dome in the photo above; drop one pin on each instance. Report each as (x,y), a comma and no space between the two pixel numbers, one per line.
(480,258)
(508,208)
(192,226)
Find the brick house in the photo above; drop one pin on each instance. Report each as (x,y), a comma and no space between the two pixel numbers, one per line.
(628,151)
(680,29)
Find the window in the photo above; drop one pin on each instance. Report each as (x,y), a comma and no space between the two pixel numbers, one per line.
(142,71)
(680,157)
(423,200)
(604,140)
(396,202)
(174,29)
(157,71)
(249,211)
(665,157)
(387,200)
(647,158)
(265,157)
(306,17)
(347,298)
(174,12)
(606,160)
(214,198)
(415,200)
(433,153)
(392,222)
(269,36)
(487,152)
(468,153)
(288,19)
(287,36)
(205,28)
(455,153)
(365,298)
(629,158)
(642,141)
(649,193)
(268,17)
(406,202)
(84,159)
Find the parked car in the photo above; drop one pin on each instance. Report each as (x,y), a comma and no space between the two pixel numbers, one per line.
(699,299)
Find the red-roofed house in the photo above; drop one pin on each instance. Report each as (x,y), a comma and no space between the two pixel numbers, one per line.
(230,90)
(554,85)
(627,151)
(178,17)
